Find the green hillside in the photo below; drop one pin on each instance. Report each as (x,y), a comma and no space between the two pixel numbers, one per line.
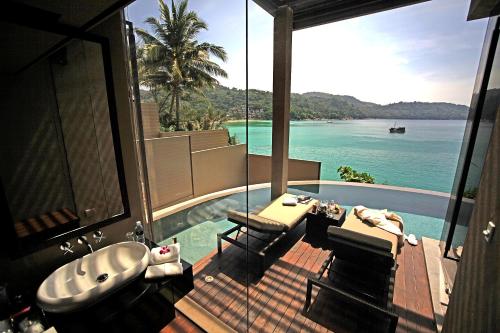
(316,105)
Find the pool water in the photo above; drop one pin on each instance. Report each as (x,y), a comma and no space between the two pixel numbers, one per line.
(196,227)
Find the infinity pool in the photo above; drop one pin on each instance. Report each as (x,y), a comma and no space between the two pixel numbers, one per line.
(196,227)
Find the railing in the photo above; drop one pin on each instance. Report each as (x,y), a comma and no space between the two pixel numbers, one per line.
(218,169)
(260,169)
(178,173)
(169,170)
(202,140)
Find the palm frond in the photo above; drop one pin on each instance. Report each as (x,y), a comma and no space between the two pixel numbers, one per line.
(146,37)
(171,57)
(215,50)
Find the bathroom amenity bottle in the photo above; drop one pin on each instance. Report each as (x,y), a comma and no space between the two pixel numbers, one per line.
(139,232)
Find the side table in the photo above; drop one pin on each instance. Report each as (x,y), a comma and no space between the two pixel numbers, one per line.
(317,225)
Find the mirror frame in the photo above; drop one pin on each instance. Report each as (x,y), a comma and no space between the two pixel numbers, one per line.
(14,246)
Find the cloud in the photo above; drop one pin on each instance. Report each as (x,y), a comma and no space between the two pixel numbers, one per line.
(372,61)
(425,52)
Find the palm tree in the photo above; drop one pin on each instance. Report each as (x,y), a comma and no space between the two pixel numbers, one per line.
(173,58)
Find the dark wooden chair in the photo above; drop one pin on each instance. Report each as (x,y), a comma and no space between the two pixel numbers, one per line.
(271,225)
(360,269)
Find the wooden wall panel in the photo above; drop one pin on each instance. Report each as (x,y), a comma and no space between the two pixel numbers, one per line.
(218,169)
(175,174)
(202,140)
(169,170)
(104,137)
(74,97)
(260,169)
(474,301)
(303,170)
(150,120)
(33,164)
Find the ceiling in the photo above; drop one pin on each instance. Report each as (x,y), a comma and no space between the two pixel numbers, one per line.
(310,13)
(483,8)
(22,46)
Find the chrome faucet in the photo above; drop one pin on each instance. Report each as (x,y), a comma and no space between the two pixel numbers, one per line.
(66,247)
(83,240)
(98,236)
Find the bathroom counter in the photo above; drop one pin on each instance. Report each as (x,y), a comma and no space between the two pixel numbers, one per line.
(141,306)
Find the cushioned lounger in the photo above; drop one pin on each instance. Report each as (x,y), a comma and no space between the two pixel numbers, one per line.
(275,219)
(355,224)
(361,266)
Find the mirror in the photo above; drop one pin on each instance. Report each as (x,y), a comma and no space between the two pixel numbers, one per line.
(61,168)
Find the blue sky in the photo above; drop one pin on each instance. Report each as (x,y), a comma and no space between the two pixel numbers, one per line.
(425,52)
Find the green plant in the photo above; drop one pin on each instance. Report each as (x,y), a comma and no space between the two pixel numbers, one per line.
(470,193)
(172,60)
(198,119)
(348,174)
(233,140)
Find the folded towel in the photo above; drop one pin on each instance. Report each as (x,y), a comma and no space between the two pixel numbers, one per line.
(379,218)
(304,199)
(162,270)
(163,254)
(290,201)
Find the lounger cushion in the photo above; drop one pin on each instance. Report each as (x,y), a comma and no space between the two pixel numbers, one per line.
(375,243)
(290,216)
(354,223)
(256,222)
(275,217)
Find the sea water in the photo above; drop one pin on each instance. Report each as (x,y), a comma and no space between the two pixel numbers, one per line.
(424,157)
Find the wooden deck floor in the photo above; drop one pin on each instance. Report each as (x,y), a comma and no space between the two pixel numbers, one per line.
(275,300)
(181,324)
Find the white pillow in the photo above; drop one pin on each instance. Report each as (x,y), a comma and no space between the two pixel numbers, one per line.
(290,201)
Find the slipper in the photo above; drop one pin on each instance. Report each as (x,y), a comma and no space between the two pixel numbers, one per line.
(411,239)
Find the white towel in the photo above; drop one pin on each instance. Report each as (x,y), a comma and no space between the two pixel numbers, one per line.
(290,201)
(162,270)
(171,255)
(379,219)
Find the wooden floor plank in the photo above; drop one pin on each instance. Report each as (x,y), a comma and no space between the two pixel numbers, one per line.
(293,305)
(274,280)
(181,324)
(276,299)
(287,267)
(313,265)
(399,300)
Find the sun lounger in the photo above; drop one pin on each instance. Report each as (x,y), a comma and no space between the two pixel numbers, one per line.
(274,220)
(360,268)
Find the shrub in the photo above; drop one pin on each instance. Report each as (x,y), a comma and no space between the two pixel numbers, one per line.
(233,140)
(470,193)
(348,174)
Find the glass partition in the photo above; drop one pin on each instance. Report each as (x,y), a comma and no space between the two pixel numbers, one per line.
(194,165)
(474,148)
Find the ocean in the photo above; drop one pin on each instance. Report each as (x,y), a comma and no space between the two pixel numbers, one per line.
(425,157)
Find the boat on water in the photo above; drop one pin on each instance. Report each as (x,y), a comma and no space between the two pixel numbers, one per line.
(396,129)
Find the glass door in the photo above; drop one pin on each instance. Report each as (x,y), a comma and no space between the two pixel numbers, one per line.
(189,82)
(478,130)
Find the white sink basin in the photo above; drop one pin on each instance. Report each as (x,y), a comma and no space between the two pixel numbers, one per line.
(86,280)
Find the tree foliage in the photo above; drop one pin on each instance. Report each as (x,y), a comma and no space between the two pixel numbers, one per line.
(173,63)
(348,174)
(207,120)
(470,193)
(231,101)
